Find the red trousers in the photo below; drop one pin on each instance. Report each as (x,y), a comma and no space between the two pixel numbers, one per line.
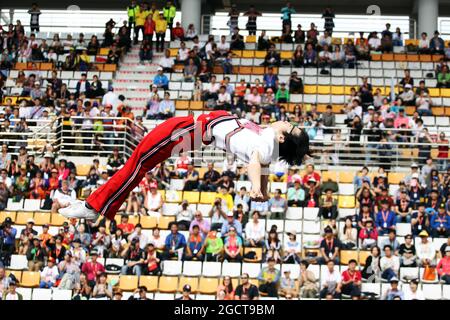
(155,148)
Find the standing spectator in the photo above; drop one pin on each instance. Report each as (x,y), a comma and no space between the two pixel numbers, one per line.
(160,28)
(269,278)
(34,13)
(328,15)
(234,18)
(149,30)
(132,12)
(252,15)
(287,13)
(169,13)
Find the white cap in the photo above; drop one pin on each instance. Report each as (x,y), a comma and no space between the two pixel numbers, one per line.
(159,69)
(230,214)
(371,108)
(408,86)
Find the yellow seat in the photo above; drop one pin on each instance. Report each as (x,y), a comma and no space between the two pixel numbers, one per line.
(337,90)
(329,175)
(346,176)
(347,255)
(150,282)
(83,169)
(323,89)
(148,222)
(208,285)
(41,218)
(30,279)
(164,222)
(254,281)
(260,54)
(57,220)
(196,105)
(395,177)
(363,254)
(258,254)
(248,54)
(23,216)
(192,281)
(250,39)
(434,92)
(191,196)
(236,53)
(173,52)
(207,197)
(310,89)
(5,214)
(128,283)
(413,42)
(346,202)
(104,51)
(445,92)
(168,284)
(286,54)
(182,105)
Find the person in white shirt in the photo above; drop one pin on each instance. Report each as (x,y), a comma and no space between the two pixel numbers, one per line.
(254,231)
(424,43)
(184,215)
(242,198)
(425,250)
(292,249)
(11,293)
(325,57)
(389,264)
(183,53)
(331,281)
(78,253)
(191,33)
(374,42)
(412,292)
(158,240)
(223,99)
(167,62)
(49,274)
(63,197)
(110,98)
(153,202)
(223,46)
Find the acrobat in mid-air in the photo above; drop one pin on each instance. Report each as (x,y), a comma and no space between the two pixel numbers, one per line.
(255,146)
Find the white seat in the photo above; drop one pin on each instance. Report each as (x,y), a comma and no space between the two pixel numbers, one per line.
(410,273)
(432,291)
(294,213)
(403,229)
(176,184)
(205,297)
(41,294)
(231,269)
(192,268)
(32,205)
(204,209)
(278,223)
(310,213)
(294,268)
(169,209)
(371,287)
(59,294)
(446,292)
(14,206)
(172,268)
(346,189)
(293,225)
(211,269)
(19,262)
(278,185)
(345,212)
(164,296)
(246,184)
(25,292)
(116,261)
(252,269)
(311,227)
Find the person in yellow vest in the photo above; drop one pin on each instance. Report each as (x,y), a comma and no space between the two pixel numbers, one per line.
(132,11)
(169,12)
(154,11)
(140,21)
(161,28)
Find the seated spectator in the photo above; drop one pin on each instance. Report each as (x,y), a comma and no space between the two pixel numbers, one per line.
(437,44)
(126,227)
(225,291)
(272,57)
(167,62)
(115,162)
(393,292)
(161,80)
(102,290)
(237,41)
(195,245)
(325,57)
(374,42)
(191,33)
(440,223)
(328,206)
(93,269)
(70,275)
(270,79)
(138,234)
(213,247)
(153,201)
(269,278)
(26,236)
(36,255)
(184,215)
(191,179)
(351,280)
(389,264)
(10,292)
(426,253)
(282,95)
(63,197)
(443,266)
(145,52)
(246,290)
(229,223)
(372,268)
(385,219)
(151,265)
(223,99)
(277,205)
(292,249)
(443,78)
(349,235)
(232,246)
(407,253)
(295,83)
(175,243)
(329,247)
(202,223)
(307,283)
(101,240)
(254,231)
(408,96)
(331,281)
(310,56)
(296,195)
(391,241)
(178,32)
(413,292)
(139,294)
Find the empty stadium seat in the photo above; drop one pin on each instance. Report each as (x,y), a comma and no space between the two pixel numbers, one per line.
(61,294)
(150,282)
(25,292)
(19,262)
(231,269)
(128,283)
(168,284)
(192,268)
(294,213)
(208,285)
(172,268)
(211,269)
(41,294)
(30,279)
(432,291)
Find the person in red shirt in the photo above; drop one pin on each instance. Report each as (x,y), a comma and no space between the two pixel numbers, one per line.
(178,32)
(384,196)
(149,29)
(443,267)
(181,165)
(310,173)
(239,91)
(93,269)
(368,235)
(351,280)
(127,228)
(146,182)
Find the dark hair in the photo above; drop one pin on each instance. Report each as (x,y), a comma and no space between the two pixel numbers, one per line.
(294,148)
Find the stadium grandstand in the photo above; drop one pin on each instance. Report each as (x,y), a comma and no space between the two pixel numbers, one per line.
(367,216)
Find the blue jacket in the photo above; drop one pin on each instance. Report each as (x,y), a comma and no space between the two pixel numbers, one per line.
(161,80)
(178,240)
(436,221)
(390,221)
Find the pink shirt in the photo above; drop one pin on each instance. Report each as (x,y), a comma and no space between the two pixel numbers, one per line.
(443,266)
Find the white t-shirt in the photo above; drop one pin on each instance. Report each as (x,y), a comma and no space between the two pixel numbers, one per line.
(254,231)
(64,199)
(246,141)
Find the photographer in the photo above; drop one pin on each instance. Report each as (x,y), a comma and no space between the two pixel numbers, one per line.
(217,215)
(7,241)
(36,255)
(135,257)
